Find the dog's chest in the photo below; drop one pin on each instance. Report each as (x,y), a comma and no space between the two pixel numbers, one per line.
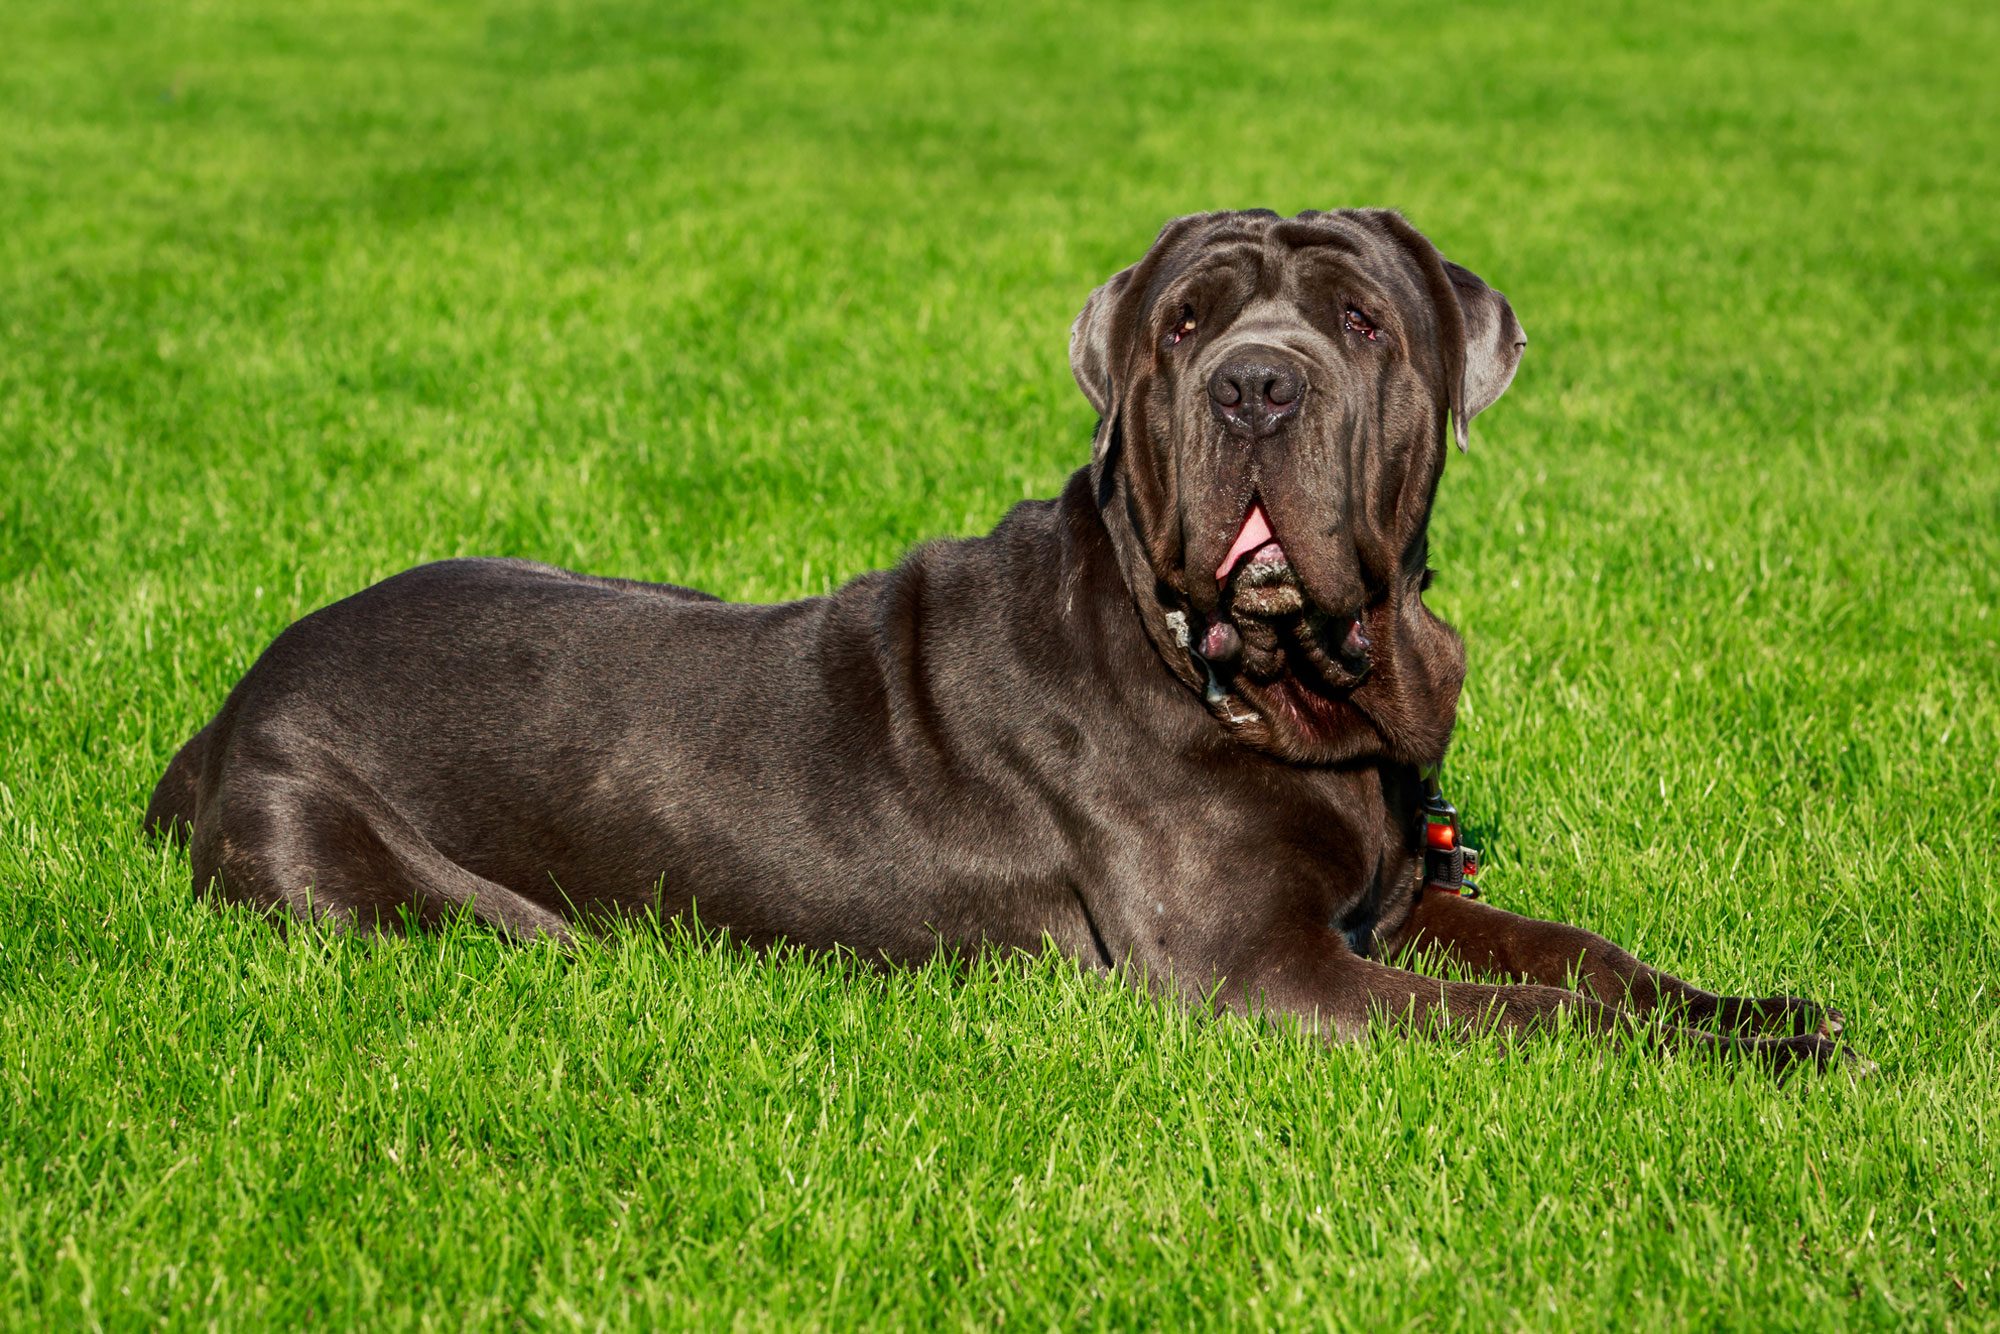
(1362,845)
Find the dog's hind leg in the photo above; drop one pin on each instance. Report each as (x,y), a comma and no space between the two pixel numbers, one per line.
(171,812)
(292,827)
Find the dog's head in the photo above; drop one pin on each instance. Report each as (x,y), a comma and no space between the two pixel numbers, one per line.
(1274,397)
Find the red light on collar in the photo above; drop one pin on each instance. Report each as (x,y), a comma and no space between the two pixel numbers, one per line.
(1448,864)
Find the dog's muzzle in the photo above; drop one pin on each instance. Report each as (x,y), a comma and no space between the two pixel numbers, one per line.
(1255,392)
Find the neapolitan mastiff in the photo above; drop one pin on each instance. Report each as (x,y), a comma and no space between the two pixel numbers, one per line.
(1179,718)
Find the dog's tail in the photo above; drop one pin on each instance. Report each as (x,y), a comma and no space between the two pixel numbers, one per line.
(171,812)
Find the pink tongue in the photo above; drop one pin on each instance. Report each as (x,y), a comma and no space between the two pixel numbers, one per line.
(1256,532)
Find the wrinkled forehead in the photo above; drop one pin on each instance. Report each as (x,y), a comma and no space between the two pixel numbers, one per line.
(1261,254)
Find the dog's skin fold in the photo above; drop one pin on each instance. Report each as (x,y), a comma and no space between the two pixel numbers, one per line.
(1173,719)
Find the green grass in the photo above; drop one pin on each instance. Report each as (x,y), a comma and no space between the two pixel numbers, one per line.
(295,295)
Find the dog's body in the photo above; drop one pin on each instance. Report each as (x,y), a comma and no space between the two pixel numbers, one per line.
(975,748)
(1176,718)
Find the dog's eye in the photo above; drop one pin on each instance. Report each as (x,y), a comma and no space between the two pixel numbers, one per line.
(1185,327)
(1358,323)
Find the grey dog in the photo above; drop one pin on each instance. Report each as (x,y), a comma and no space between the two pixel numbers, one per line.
(1181,717)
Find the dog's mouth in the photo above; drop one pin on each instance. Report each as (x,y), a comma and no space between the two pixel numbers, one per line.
(1256,574)
(1267,628)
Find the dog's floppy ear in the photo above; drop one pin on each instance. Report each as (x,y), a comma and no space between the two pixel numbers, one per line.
(1479,340)
(1100,342)
(1091,358)
(1494,342)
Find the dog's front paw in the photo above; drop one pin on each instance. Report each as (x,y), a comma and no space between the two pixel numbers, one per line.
(1778,1017)
(1788,1056)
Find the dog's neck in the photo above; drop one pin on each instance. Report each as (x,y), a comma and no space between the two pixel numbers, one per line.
(1411,710)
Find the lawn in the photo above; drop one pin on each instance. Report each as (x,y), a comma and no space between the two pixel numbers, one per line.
(295,295)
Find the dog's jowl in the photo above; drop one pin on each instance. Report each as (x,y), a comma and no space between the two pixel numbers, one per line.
(1178,719)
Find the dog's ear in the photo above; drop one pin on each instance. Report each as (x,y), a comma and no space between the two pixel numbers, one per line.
(1479,340)
(1091,351)
(1100,342)
(1494,342)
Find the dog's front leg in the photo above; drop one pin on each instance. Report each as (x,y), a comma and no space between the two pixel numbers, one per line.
(1491,941)
(1314,977)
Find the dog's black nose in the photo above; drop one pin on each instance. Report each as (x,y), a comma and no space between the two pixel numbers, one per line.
(1254,395)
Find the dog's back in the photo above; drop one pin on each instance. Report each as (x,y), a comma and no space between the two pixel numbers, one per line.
(176,801)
